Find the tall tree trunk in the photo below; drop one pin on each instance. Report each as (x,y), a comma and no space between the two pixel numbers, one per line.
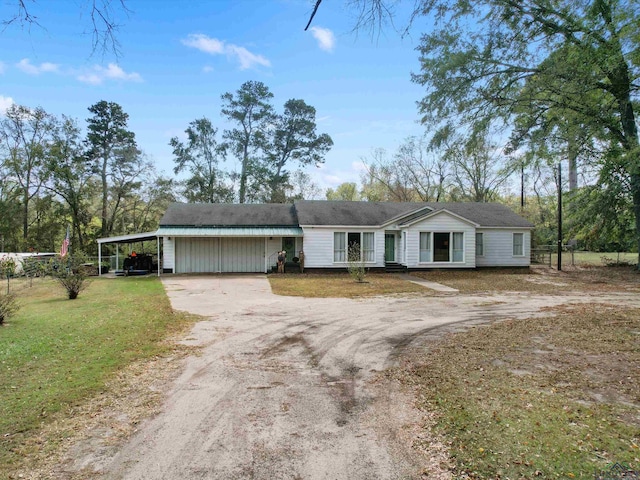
(105,199)
(243,173)
(572,155)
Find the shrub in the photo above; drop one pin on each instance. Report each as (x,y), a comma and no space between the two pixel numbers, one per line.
(8,267)
(355,263)
(73,283)
(69,273)
(8,306)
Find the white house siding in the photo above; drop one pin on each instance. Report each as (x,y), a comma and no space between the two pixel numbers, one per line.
(242,254)
(498,248)
(168,253)
(441,222)
(318,246)
(197,255)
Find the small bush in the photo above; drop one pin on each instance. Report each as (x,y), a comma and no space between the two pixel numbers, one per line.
(355,263)
(8,306)
(73,283)
(8,267)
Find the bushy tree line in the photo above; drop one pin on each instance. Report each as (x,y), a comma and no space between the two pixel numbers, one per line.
(54,174)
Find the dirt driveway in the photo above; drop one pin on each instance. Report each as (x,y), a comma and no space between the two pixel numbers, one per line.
(283,388)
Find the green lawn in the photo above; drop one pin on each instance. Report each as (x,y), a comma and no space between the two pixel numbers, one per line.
(57,353)
(596,258)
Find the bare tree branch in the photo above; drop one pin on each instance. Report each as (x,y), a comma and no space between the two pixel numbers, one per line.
(313,14)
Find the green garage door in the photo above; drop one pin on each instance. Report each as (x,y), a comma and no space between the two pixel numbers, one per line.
(197,255)
(242,254)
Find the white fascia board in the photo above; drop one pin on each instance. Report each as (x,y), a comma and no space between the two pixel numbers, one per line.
(482,227)
(404,215)
(344,227)
(438,212)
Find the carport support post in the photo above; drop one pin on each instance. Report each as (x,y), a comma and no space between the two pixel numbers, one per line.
(158,242)
(99,259)
(117,256)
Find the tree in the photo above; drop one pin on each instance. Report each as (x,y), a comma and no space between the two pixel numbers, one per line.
(293,137)
(251,111)
(102,14)
(516,56)
(478,168)
(70,177)
(415,173)
(345,191)
(111,146)
(24,135)
(201,156)
(302,187)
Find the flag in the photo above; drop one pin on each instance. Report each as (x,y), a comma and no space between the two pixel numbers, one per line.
(64,249)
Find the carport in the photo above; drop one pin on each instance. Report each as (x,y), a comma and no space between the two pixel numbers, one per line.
(128,239)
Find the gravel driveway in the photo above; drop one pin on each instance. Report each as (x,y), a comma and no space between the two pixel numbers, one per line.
(283,388)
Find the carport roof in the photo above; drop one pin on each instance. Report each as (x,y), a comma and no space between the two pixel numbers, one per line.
(131,238)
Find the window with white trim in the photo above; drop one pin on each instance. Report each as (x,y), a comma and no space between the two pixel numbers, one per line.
(368,247)
(339,247)
(345,242)
(479,244)
(425,246)
(518,244)
(458,247)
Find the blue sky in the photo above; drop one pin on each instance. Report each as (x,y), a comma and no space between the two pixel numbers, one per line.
(177,58)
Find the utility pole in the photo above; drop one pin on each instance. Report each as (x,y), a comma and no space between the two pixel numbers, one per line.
(559,216)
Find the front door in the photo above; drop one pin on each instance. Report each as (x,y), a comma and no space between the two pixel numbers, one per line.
(389,247)
(441,247)
(289,246)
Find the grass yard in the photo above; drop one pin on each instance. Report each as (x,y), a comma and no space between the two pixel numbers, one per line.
(340,285)
(538,280)
(597,258)
(544,398)
(55,354)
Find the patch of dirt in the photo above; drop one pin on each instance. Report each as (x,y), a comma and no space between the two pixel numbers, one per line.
(94,431)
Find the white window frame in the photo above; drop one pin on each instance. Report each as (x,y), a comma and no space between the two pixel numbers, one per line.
(341,252)
(452,242)
(371,253)
(481,243)
(513,243)
(428,251)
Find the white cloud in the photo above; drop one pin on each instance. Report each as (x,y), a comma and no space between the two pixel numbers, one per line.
(46,67)
(5,103)
(97,75)
(3,68)
(207,69)
(213,46)
(325,37)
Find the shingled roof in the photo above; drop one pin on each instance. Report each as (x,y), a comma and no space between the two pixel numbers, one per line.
(229,215)
(334,213)
(345,213)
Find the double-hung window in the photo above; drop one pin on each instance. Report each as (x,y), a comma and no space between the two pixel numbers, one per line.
(339,247)
(458,246)
(368,247)
(518,244)
(480,244)
(357,245)
(425,246)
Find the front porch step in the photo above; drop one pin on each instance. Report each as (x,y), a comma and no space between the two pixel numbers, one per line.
(394,267)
